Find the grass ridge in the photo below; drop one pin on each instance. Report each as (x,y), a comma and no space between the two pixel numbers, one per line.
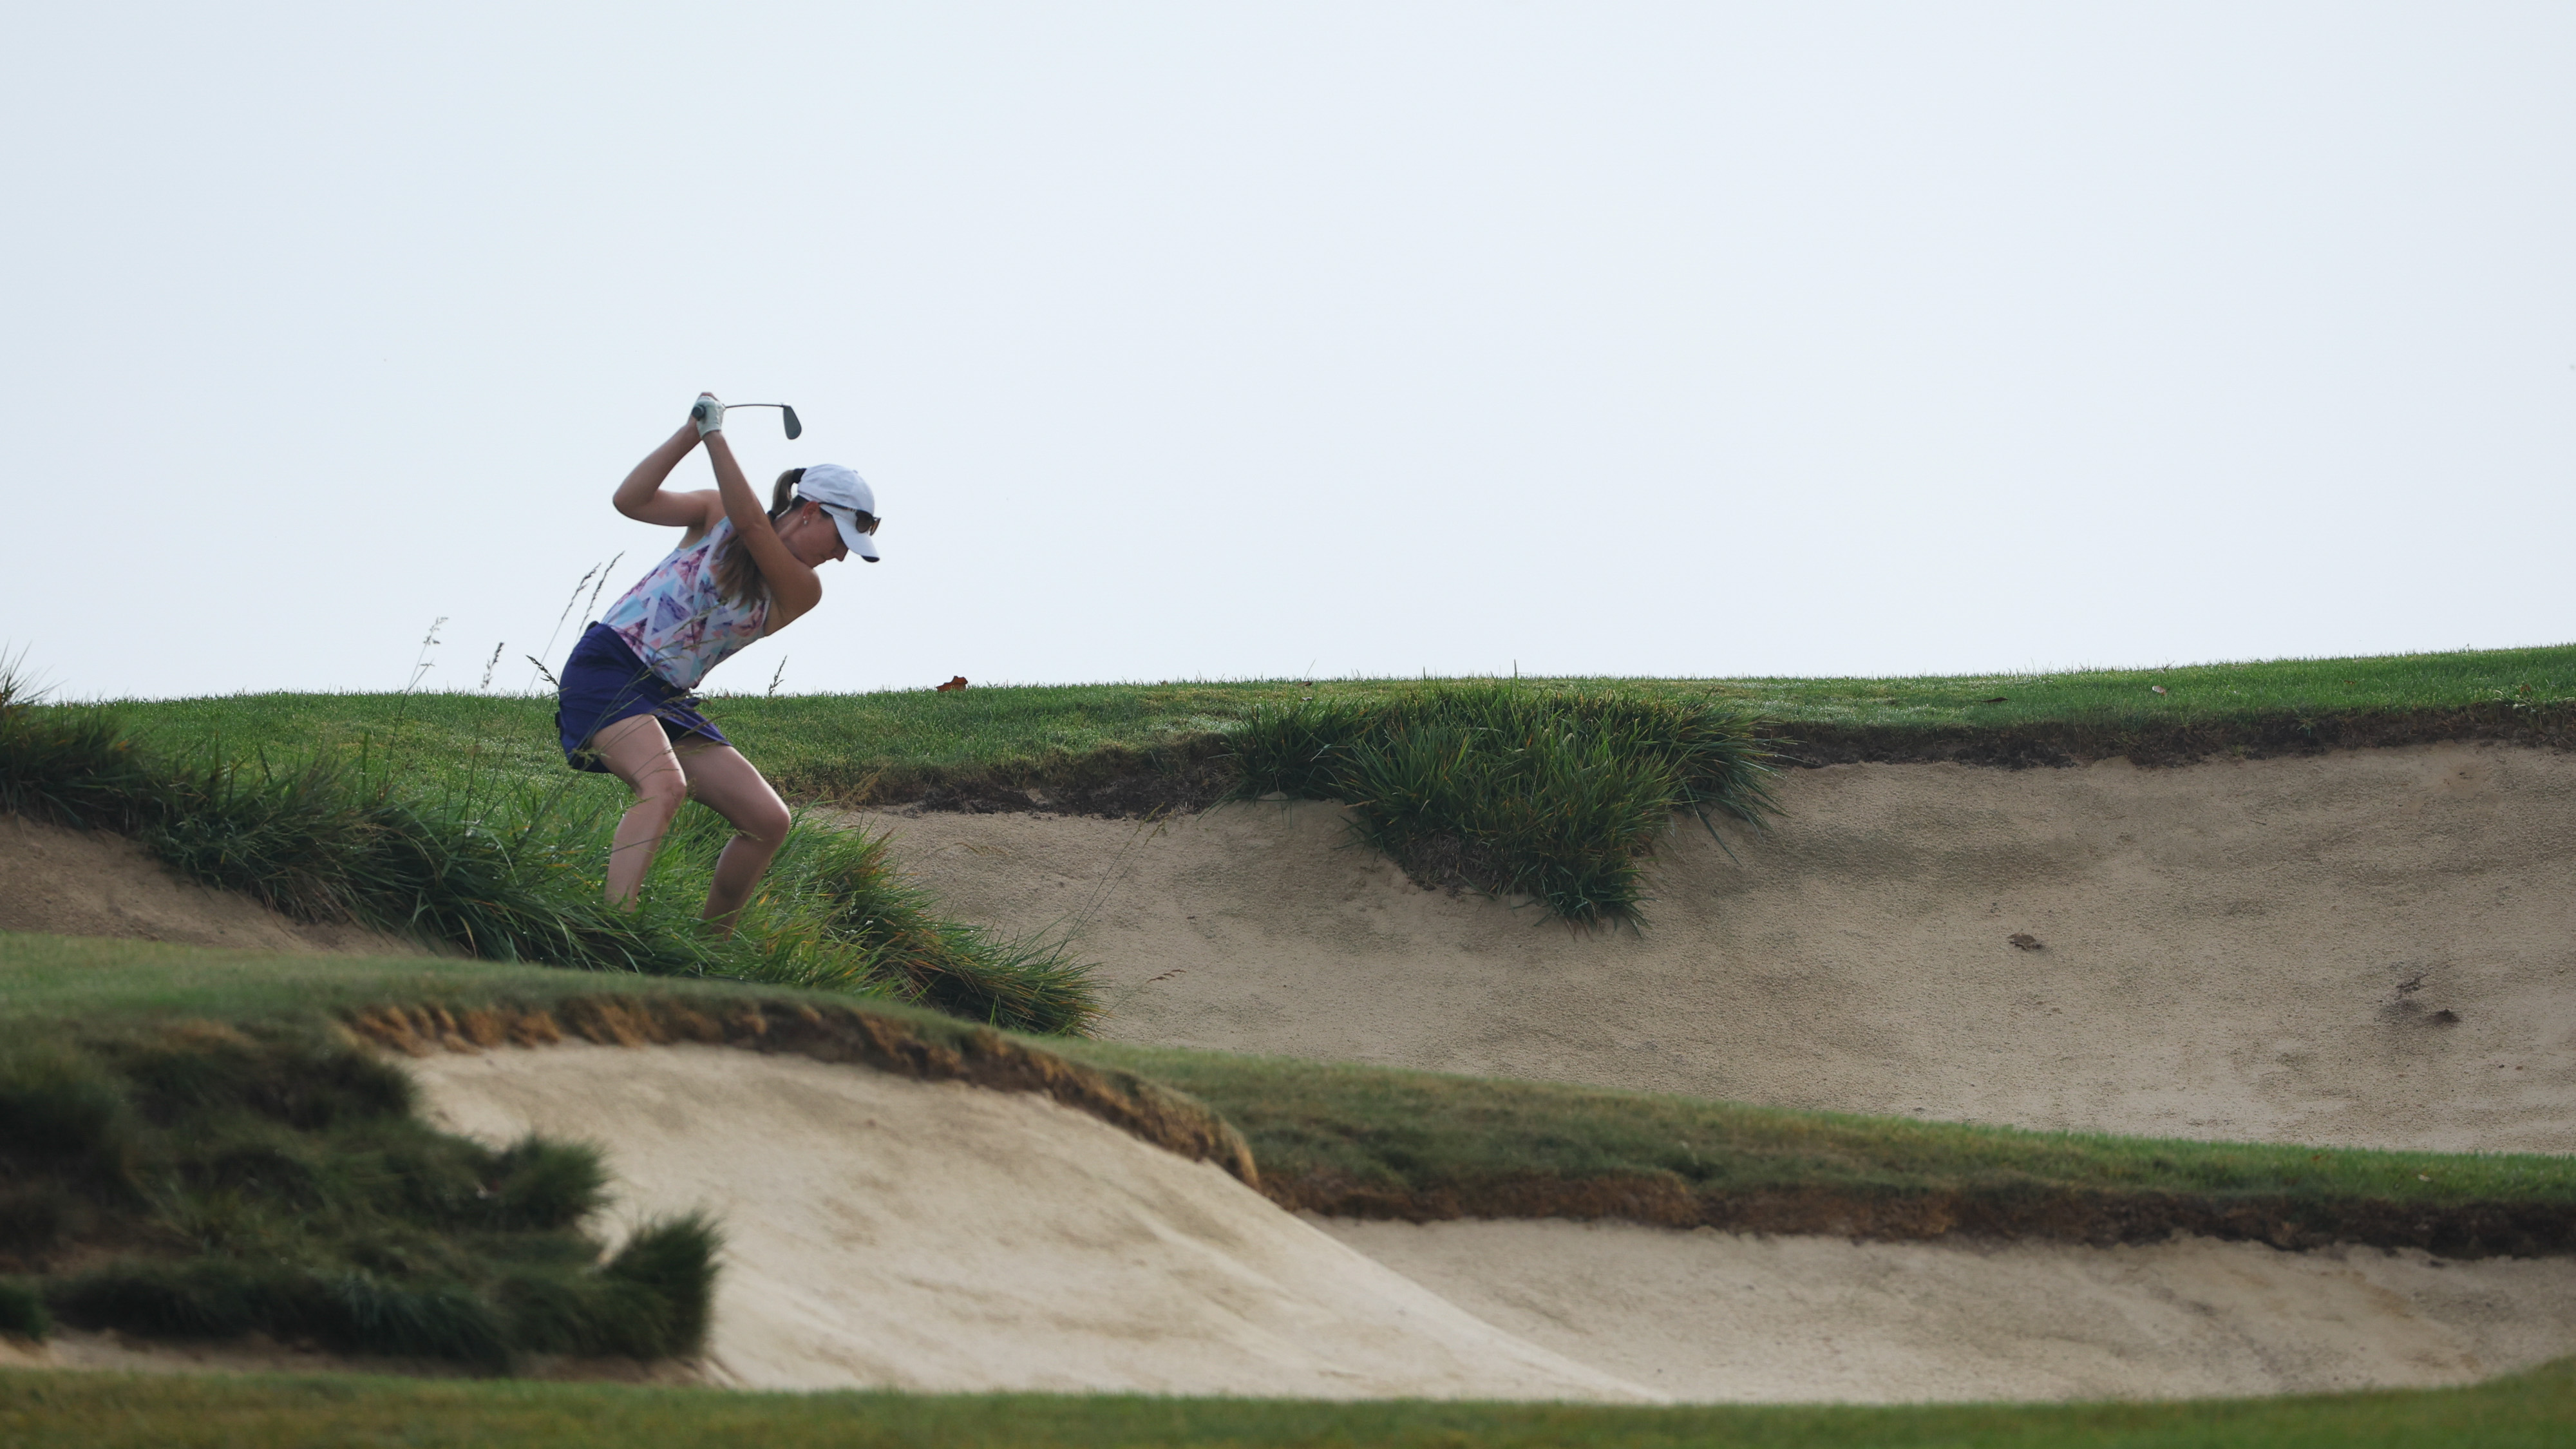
(826,1032)
(508,869)
(1381,1142)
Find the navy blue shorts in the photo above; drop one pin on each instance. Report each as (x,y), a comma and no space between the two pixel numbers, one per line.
(603,682)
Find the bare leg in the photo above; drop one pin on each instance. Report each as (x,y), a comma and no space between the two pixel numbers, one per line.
(638,752)
(723,781)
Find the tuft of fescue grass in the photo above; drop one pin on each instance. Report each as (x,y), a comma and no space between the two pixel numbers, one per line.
(508,867)
(834,915)
(202,1180)
(1555,795)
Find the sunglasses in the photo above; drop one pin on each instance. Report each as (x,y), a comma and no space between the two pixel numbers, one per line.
(863,522)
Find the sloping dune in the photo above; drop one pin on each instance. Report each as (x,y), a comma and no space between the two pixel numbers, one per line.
(893,1233)
(92,883)
(2372,948)
(885,1232)
(1715,1317)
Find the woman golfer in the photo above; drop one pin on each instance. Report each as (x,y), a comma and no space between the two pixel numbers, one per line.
(739,574)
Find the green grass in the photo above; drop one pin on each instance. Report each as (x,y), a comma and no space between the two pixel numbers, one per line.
(893,745)
(1382,1141)
(1378,1141)
(41,1410)
(504,865)
(1557,796)
(1553,790)
(64,983)
(200,1180)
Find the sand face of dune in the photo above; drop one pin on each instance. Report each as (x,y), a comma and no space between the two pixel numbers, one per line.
(1720,1317)
(2372,948)
(92,883)
(889,1233)
(885,1232)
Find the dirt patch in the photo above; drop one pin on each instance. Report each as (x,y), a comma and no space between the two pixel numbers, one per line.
(92,883)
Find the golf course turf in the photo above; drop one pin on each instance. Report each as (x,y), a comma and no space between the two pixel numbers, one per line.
(1089,745)
(110,1411)
(1346,1140)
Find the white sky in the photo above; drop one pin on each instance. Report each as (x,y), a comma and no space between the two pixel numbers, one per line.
(1227,340)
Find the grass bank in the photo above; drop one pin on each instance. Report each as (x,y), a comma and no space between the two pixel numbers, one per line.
(1367,1141)
(195,1144)
(1379,1142)
(44,1410)
(1553,790)
(503,865)
(1126,748)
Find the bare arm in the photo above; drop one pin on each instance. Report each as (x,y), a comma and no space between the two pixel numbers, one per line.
(642,497)
(793,588)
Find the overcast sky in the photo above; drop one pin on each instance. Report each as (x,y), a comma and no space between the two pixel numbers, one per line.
(1223,340)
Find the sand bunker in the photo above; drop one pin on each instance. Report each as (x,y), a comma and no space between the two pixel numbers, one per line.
(886,1232)
(2374,948)
(1708,1316)
(91,883)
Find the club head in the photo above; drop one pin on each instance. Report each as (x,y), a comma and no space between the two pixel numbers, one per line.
(795,429)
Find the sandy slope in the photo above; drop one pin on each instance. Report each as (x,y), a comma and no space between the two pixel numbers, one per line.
(1713,1316)
(2255,950)
(90,883)
(890,1232)
(884,1232)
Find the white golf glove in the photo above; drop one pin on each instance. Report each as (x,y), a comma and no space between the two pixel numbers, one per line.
(708,414)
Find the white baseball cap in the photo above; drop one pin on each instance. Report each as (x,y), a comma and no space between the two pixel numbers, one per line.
(842,493)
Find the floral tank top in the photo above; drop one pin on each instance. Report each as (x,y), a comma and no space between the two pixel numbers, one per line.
(676,621)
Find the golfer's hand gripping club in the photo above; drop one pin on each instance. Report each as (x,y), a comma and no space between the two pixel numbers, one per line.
(708,414)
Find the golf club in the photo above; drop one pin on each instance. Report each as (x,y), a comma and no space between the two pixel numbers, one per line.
(795,429)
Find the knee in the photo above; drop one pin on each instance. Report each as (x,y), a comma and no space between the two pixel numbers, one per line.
(766,822)
(661,793)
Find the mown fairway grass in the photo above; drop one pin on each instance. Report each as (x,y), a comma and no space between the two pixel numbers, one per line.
(853,748)
(43,1410)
